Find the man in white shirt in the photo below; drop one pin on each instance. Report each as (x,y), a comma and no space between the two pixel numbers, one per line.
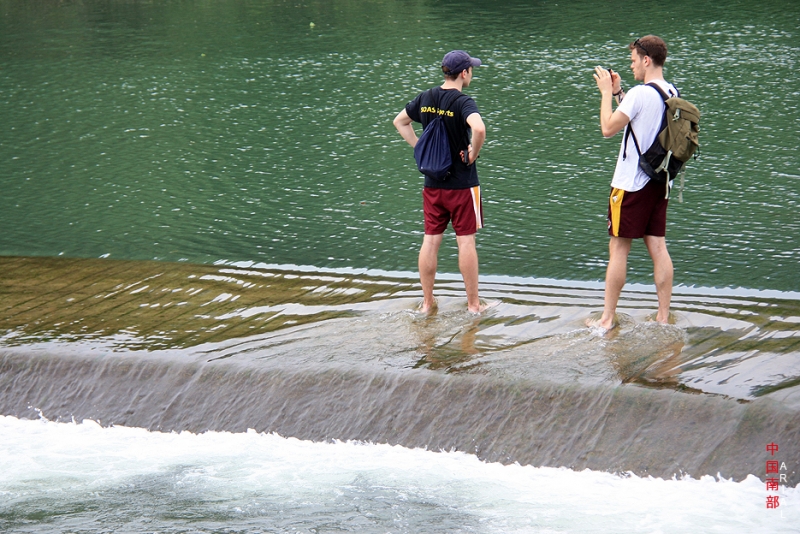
(637,204)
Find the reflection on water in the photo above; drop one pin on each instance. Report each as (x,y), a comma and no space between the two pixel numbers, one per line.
(741,347)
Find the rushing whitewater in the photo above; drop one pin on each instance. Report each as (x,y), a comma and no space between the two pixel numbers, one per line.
(81,477)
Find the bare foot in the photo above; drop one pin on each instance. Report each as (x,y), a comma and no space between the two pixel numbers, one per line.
(605,325)
(670,319)
(483,306)
(428,309)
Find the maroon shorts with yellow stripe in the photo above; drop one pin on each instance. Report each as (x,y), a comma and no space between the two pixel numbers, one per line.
(461,206)
(635,214)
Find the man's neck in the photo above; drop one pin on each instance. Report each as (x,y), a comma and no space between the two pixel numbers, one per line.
(654,74)
(458,83)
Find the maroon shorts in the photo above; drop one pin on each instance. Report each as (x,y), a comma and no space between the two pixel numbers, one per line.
(462,206)
(638,213)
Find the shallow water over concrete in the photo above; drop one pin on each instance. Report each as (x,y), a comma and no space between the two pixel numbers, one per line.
(335,355)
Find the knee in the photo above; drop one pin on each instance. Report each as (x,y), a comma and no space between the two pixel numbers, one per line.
(466,241)
(656,246)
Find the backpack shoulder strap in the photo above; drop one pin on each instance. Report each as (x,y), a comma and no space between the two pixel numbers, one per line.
(459,96)
(432,97)
(453,100)
(429,100)
(664,96)
(629,129)
(443,98)
(628,133)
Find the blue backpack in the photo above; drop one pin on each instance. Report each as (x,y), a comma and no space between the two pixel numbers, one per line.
(432,150)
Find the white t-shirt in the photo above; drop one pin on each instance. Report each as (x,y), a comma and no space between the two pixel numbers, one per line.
(645,108)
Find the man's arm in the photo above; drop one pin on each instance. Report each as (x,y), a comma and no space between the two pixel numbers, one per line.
(403,124)
(475,122)
(611,122)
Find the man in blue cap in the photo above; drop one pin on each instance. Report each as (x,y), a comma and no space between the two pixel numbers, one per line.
(457,198)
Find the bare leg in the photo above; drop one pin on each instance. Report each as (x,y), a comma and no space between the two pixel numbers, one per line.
(662,274)
(428,260)
(618,250)
(468,265)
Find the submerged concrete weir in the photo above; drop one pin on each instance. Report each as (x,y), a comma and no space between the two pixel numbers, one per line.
(342,356)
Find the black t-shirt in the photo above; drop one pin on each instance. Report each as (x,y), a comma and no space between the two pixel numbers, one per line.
(455,107)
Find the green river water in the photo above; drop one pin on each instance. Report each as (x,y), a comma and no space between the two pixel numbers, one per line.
(262,131)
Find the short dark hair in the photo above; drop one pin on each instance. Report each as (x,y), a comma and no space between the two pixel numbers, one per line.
(451,75)
(653,46)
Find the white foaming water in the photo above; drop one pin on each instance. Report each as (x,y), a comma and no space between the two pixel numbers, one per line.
(57,477)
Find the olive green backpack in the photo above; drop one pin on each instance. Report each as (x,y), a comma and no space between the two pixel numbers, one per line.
(676,142)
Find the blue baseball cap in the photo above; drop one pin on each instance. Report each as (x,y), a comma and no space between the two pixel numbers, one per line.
(458,60)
